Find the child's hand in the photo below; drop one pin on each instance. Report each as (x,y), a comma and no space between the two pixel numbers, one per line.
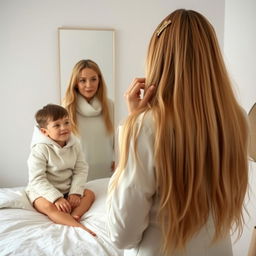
(63,205)
(74,200)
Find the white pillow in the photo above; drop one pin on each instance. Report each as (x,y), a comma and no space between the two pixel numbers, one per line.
(15,198)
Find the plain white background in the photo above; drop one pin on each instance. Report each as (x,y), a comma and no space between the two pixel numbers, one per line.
(29,67)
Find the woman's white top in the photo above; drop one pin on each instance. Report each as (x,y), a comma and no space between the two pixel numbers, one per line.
(97,143)
(55,170)
(132,206)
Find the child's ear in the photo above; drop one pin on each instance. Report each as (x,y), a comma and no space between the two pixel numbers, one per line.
(44,131)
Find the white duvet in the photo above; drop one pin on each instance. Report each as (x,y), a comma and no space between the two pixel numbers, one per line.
(25,232)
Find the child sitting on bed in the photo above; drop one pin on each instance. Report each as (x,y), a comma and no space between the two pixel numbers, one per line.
(57,169)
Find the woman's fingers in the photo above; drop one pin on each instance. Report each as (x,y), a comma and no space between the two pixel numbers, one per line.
(134,96)
(147,95)
(134,82)
(135,91)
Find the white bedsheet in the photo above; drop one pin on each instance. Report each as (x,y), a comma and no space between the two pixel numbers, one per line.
(26,232)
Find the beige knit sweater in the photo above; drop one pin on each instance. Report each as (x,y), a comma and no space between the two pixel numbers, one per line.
(55,170)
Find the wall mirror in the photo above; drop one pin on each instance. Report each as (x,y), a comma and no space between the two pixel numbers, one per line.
(95,44)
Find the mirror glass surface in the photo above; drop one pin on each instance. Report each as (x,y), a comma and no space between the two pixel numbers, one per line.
(76,44)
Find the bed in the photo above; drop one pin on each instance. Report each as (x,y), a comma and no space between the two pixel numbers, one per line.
(24,231)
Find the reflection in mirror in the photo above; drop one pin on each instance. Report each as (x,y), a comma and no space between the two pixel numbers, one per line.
(252,142)
(76,44)
(84,94)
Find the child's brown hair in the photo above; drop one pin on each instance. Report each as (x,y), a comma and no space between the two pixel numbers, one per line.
(50,112)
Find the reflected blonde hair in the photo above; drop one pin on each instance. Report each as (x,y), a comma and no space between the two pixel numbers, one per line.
(70,98)
(201,139)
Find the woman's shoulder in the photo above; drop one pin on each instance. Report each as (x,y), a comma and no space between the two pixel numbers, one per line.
(146,121)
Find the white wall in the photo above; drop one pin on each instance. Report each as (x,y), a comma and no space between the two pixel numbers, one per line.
(29,58)
(239,49)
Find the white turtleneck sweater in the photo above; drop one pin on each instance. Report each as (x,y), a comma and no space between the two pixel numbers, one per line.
(97,143)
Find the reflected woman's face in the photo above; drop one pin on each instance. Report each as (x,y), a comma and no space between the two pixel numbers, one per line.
(88,83)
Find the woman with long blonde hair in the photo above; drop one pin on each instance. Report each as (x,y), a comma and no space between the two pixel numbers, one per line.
(182,175)
(92,117)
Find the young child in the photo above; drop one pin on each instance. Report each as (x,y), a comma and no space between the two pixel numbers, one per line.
(57,169)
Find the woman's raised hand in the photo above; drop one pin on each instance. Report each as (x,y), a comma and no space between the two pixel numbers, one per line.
(135,99)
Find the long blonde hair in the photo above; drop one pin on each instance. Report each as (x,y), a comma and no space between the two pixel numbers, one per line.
(70,98)
(200,145)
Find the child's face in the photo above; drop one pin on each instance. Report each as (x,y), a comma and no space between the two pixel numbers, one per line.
(58,130)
